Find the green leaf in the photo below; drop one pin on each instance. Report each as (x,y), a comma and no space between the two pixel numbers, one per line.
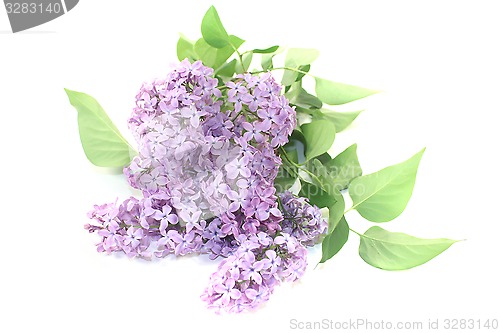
(383,195)
(335,93)
(228,69)
(341,119)
(397,251)
(300,97)
(319,135)
(321,191)
(212,30)
(102,142)
(334,241)
(316,195)
(285,179)
(271,49)
(295,58)
(185,49)
(300,57)
(267,59)
(324,158)
(247,60)
(344,167)
(305,69)
(213,57)
(296,147)
(336,211)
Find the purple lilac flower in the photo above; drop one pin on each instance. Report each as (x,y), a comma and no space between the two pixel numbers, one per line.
(252,273)
(302,220)
(206,169)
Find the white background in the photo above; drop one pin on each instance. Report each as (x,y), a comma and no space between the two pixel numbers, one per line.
(438,65)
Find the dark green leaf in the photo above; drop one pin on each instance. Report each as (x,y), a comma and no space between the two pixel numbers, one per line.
(228,69)
(296,147)
(271,49)
(305,69)
(320,190)
(316,195)
(344,167)
(336,211)
(285,179)
(324,158)
(334,241)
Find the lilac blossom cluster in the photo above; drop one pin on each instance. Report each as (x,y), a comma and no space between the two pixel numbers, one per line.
(206,167)
(248,277)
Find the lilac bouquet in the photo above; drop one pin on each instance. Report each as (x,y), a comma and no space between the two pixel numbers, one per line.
(225,170)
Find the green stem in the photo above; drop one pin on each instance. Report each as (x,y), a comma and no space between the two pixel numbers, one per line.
(240,57)
(286,68)
(285,154)
(298,166)
(360,235)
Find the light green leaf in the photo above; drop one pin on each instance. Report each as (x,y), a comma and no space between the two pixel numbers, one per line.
(295,58)
(335,93)
(341,119)
(267,59)
(319,135)
(344,167)
(300,97)
(397,251)
(102,142)
(247,60)
(383,195)
(334,241)
(185,49)
(213,57)
(271,49)
(212,30)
